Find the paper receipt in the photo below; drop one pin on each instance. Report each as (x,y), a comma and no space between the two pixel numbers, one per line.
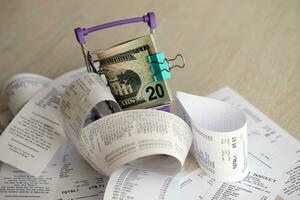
(147,139)
(219,136)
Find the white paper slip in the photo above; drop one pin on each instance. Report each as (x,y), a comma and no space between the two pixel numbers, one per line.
(219,136)
(135,184)
(18,90)
(269,144)
(261,128)
(291,188)
(193,186)
(77,179)
(22,87)
(254,186)
(267,159)
(260,183)
(16,184)
(148,139)
(35,134)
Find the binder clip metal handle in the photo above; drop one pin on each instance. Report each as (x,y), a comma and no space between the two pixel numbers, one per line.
(80,33)
(160,65)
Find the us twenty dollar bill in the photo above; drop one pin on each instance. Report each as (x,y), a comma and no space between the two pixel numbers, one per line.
(129,76)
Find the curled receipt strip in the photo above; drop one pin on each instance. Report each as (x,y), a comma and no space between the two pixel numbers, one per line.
(147,139)
(219,136)
(21,88)
(35,134)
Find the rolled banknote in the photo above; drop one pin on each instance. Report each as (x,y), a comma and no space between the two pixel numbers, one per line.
(129,76)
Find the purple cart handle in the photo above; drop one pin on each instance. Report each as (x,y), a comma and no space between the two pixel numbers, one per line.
(149,18)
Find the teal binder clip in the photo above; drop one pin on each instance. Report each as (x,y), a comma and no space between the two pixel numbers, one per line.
(160,66)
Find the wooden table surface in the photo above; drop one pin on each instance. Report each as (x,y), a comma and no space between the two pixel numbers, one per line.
(252,46)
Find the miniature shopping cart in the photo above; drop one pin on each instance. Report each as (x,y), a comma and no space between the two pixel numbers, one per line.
(81,33)
(159,64)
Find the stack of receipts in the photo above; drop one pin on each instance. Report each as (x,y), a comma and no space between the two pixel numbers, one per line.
(53,146)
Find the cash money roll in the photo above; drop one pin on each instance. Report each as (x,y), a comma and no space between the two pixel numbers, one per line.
(129,76)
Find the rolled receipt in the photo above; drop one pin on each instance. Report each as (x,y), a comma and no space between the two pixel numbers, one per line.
(21,88)
(147,139)
(219,136)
